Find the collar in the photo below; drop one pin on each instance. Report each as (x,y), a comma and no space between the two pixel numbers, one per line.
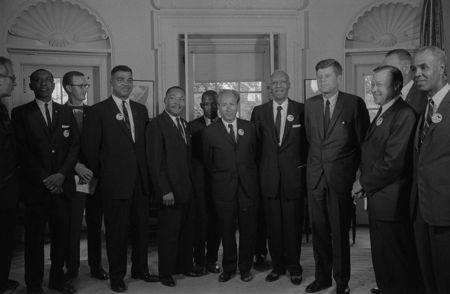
(332,99)
(406,88)
(387,105)
(71,105)
(439,96)
(174,118)
(119,100)
(284,104)
(234,123)
(41,103)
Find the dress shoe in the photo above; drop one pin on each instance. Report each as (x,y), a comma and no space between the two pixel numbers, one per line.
(65,288)
(213,268)
(246,277)
(375,291)
(296,279)
(195,272)
(118,286)
(10,286)
(167,280)
(99,273)
(147,277)
(71,275)
(225,277)
(272,277)
(35,291)
(316,286)
(342,289)
(260,263)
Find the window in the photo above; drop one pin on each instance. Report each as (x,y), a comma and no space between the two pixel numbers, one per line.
(251,95)
(59,95)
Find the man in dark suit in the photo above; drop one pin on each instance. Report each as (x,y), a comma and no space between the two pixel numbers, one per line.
(229,150)
(282,171)
(401,59)
(430,205)
(336,124)
(76,86)
(385,180)
(113,144)
(169,160)
(9,178)
(48,145)
(205,212)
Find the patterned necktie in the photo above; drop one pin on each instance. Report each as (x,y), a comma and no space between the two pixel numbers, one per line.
(326,116)
(278,123)
(181,129)
(47,116)
(232,134)
(125,115)
(428,120)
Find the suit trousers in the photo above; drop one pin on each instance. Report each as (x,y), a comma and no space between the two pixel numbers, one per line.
(284,218)
(261,231)
(76,218)
(9,194)
(245,216)
(330,214)
(433,251)
(125,217)
(175,238)
(94,218)
(54,209)
(394,258)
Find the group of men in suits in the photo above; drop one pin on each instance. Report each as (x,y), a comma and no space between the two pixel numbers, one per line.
(214,174)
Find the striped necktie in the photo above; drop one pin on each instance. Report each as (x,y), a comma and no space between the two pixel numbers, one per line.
(427,121)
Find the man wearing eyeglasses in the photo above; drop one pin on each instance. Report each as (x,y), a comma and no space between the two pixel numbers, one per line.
(9,180)
(48,146)
(75,85)
(113,143)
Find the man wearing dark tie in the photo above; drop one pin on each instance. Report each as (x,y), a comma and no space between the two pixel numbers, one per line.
(169,160)
(282,168)
(430,196)
(385,180)
(401,59)
(9,178)
(206,234)
(229,150)
(113,144)
(336,124)
(76,86)
(48,146)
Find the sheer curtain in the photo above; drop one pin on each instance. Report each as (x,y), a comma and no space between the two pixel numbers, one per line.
(432,27)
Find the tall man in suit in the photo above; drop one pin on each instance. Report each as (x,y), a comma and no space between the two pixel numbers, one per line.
(48,145)
(430,198)
(282,171)
(76,86)
(113,143)
(385,180)
(9,178)
(205,212)
(336,123)
(401,59)
(169,159)
(229,150)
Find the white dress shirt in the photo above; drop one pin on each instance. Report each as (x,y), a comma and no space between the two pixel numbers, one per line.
(283,112)
(439,96)
(234,123)
(388,105)
(118,102)
(174,119)
(406,88)
(41,105)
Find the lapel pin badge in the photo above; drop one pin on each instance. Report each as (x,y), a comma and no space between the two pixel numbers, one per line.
(66,133)
(379,121)
(436,118)
(119,116)
(290,117)
(241,132)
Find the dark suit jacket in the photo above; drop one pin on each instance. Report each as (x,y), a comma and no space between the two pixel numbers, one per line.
(196,128)
(285,163)
(336,154)
(386,166)
(432,169)
(230,164)
(109,151)
(417,100)
(169,158)
(43,152)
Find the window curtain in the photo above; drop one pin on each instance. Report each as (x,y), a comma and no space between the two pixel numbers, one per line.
(432,27)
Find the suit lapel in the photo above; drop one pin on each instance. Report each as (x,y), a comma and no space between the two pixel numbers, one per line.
(115,111)
(225,132)
(318,114)
(288,123)
(336,113)
(55,117)
(36,115)
(444,107)
(268,112)
(174,127)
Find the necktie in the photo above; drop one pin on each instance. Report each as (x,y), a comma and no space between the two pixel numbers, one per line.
(47,116)
(125,115)
(427,122)
(326,116)
(278,123)
(181,129)
(380,109)
(232,134)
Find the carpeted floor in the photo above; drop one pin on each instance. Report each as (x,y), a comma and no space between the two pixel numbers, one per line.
(362,279)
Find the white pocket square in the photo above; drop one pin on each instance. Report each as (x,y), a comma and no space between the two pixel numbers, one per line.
(65,127)
(296,126)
